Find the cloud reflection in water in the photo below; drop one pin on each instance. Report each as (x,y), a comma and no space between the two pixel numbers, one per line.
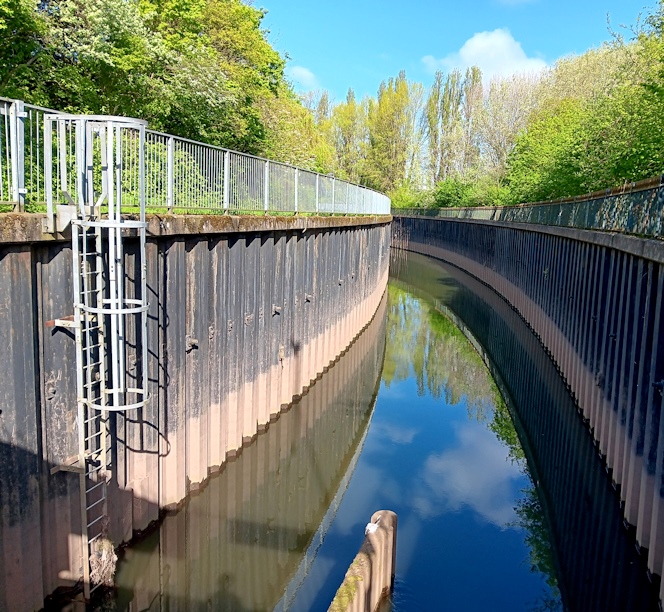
(476,473)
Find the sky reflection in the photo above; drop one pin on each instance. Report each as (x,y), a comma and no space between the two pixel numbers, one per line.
(477,474)
(442,453)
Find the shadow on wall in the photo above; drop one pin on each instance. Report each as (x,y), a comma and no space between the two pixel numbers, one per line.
(40,530)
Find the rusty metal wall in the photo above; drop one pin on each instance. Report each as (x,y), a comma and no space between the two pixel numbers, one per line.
(594,301)
(240,324)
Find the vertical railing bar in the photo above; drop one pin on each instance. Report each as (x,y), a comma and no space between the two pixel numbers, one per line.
(48,174)
(266,186)
(170,176)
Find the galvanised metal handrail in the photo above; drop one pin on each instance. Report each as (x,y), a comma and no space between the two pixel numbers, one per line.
(636,208)
(181,175)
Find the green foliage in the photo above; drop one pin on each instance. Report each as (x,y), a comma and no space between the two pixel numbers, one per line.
(460,191)
(599,121)
(405,196)
(545,160)
(202,69)
(393,125)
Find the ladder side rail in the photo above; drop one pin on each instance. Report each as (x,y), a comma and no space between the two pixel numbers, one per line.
(112,267)
(81,412)
(120,382)
(143,271)
(101,319)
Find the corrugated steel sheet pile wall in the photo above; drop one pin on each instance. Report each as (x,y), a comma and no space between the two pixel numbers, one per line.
(596,565)
(241,538)
(239,324)
(595,302)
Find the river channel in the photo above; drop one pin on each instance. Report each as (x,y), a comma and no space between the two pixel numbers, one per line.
(445,410)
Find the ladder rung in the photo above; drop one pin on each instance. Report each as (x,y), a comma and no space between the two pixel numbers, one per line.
(99,501)
(95,521)
(93,436)
(99,484)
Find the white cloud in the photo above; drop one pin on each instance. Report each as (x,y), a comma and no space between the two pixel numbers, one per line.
(496,53)
(394,433)
(477,474)
(302,77)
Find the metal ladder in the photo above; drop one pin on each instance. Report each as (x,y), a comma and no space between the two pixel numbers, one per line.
(100,161)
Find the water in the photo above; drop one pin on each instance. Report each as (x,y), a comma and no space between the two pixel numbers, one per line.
(442,453)
(410,419)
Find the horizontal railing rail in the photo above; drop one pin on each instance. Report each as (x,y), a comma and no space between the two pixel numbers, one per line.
(636,208)
(180,175)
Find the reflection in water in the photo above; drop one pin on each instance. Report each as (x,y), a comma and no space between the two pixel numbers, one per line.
(442,452)
(281,524)
(593,555)
(237,544)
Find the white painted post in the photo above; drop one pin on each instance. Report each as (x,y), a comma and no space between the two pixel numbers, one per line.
(17,151)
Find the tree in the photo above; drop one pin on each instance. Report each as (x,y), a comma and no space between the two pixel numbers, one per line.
(470,108)
(545,160)
(349,135)
(395,134)
(506,110)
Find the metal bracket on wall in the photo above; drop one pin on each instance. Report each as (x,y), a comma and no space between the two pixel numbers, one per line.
(71,464)
(66,322)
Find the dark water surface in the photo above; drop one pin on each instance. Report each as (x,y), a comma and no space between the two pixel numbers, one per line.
(411,420)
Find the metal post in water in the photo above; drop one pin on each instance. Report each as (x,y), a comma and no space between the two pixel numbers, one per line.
(370,577)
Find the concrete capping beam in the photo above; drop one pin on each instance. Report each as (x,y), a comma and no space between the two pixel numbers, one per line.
(370,577)
(22,228)
(174,225)
(647,248)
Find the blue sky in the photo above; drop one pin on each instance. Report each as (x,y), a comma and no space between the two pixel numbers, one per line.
(337,44)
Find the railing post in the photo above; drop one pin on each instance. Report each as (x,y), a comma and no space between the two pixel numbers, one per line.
(317,183)
(334,204)
(297,182)
(170,174)
(267,186)
(17,151)
(48,175)
(226,180)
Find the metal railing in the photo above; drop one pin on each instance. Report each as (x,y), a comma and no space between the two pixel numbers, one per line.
(181,175)
(636,208)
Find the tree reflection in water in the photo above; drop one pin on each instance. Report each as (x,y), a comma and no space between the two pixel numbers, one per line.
(424,343)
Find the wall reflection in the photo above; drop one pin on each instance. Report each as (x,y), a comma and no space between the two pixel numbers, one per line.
(239,542)
(593,553)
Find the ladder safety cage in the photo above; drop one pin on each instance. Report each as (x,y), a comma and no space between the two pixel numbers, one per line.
(97,165)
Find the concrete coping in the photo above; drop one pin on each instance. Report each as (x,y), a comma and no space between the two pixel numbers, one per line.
(26,228)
